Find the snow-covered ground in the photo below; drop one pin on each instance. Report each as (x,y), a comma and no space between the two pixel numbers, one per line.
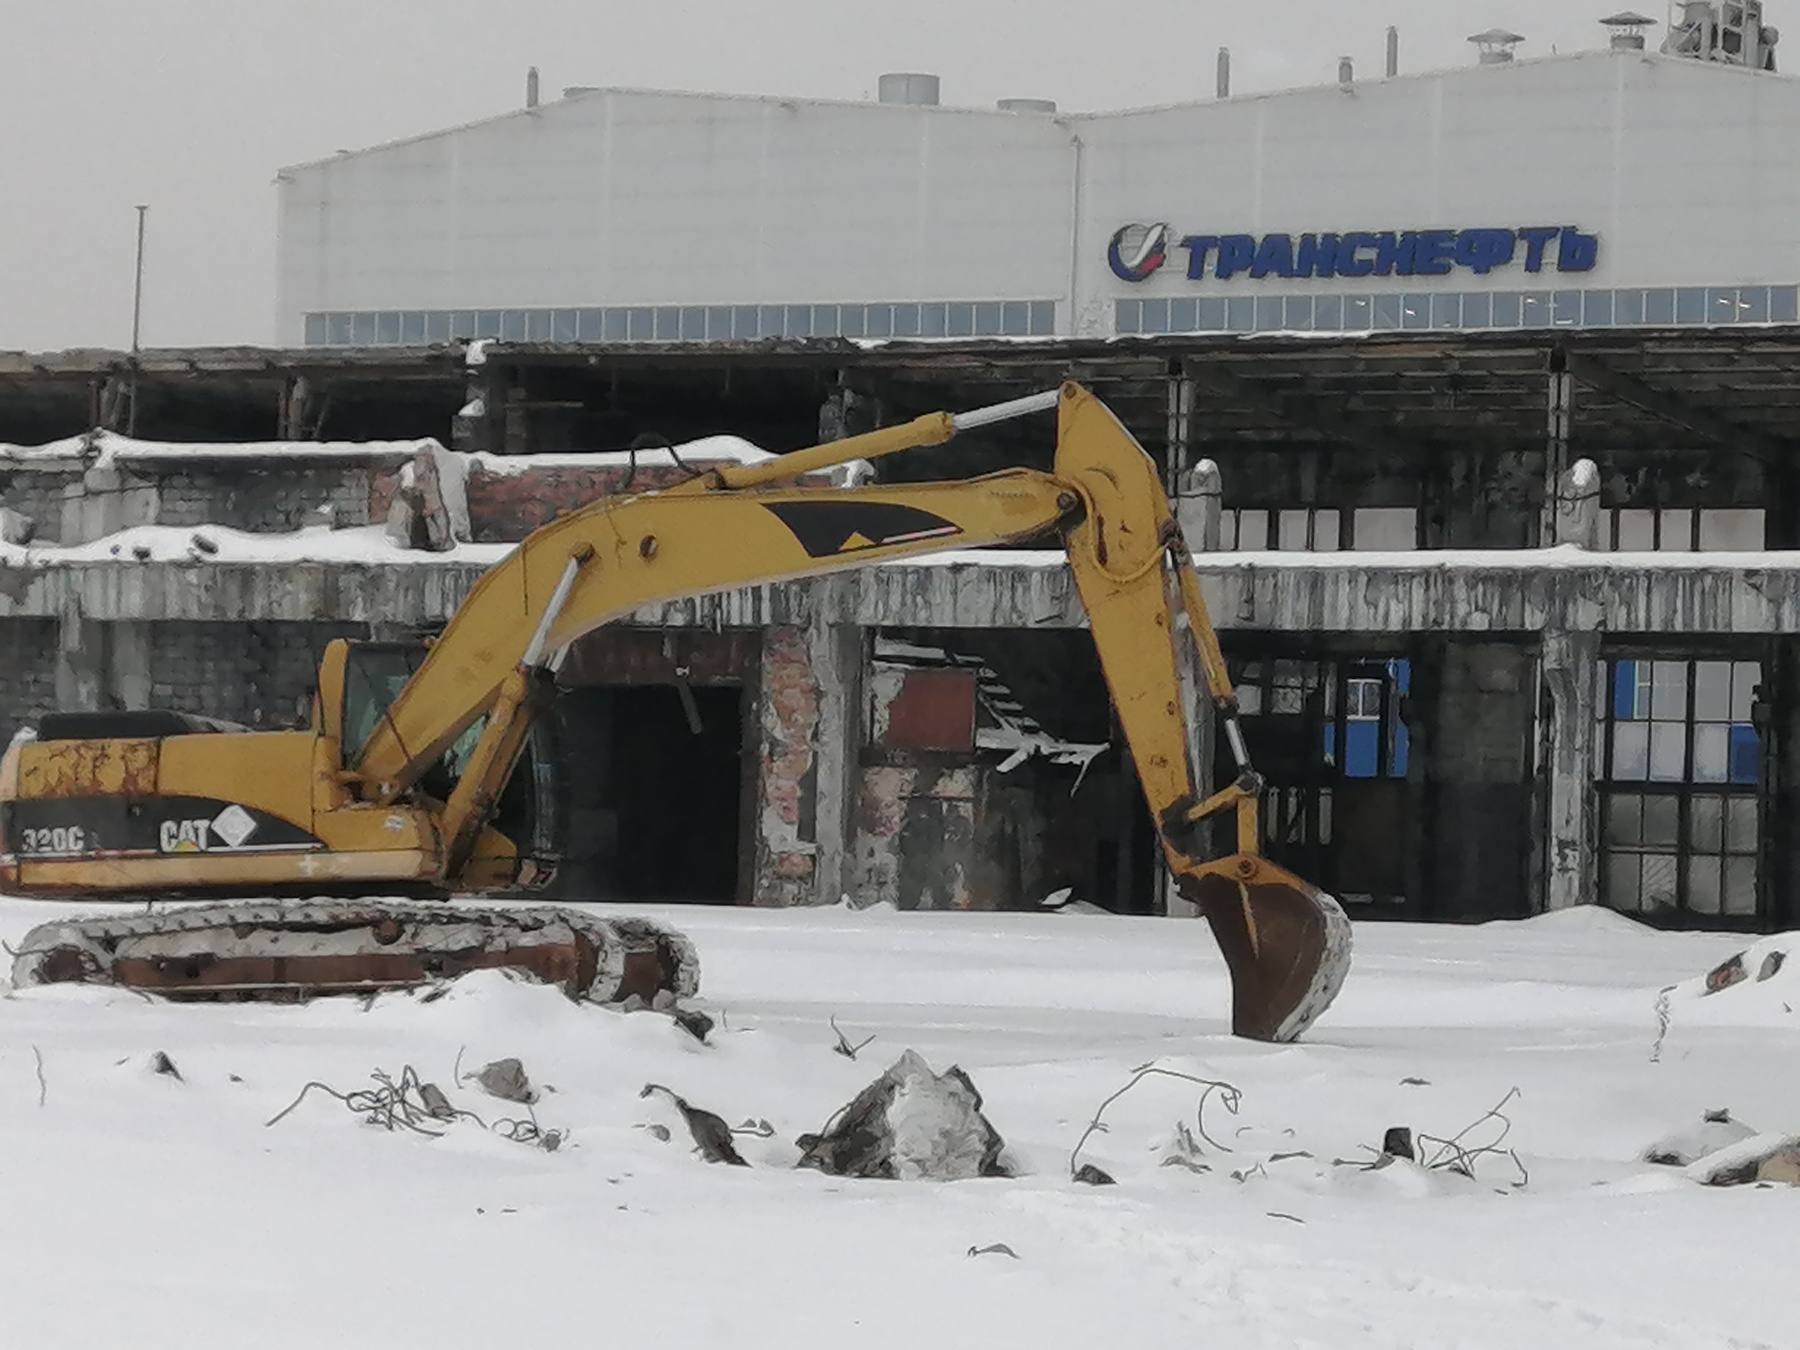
(147,1212)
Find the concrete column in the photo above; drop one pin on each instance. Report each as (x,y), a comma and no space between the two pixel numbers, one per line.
(1180,428)
(80,660)
(101,665)
(1570,665)
(837,654)
(1559,428)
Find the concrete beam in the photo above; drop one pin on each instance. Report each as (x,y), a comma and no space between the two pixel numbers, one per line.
(1570,662)
(1671,408)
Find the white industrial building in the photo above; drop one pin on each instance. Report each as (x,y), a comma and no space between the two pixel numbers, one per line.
(1618,187)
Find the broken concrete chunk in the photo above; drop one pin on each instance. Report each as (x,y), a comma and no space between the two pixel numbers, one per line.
(1715,1131)
(909,1124)
(437,1105)
(1742,1163)
(1783,1168)
(505,1078)
(1398,1143)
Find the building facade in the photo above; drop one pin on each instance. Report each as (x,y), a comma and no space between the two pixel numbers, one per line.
(1619,187)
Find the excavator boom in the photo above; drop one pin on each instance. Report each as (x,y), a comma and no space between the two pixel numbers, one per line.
(491,672)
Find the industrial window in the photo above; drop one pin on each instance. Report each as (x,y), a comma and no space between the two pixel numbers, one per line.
(1359,314)
(1784,304)
(1212,316)
(906,321)
(1534,310)
(880,321)
(1628,308)
(826,321)
(1753,304)
(1155,317)
(668,324)
(1507,308)
(1015,318)
(1684,530)
(315,330)
(1385,311)
(1328,313)
(692,324)
(853,321)
(1415,311)
(1659,306)
(934,321)
(1269,313)
(1596,309)
(1294,530)
(988,322)
(1043,318)
(1447,311)
(1690,305)
(1680,767)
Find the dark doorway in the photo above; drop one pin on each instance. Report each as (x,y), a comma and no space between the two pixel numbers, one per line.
(653,782)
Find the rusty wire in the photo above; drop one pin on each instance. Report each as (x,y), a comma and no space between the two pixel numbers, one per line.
(402,1104)
(1230,1097)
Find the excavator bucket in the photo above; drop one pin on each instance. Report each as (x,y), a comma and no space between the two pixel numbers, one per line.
(1286,943)
(284,952)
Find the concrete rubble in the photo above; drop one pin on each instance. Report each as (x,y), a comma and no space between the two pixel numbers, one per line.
(910,1124)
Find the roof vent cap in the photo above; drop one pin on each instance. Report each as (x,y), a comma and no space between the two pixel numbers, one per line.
(909,87)
(1496,46)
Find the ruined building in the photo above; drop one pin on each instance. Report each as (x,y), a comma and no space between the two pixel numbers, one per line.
(1477,389)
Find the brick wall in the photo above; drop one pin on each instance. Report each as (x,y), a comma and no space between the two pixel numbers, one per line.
(27,672)
(260,674)
(38,495)
(264,497)
(787,780)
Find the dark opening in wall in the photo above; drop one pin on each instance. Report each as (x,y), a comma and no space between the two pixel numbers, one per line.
(653,787)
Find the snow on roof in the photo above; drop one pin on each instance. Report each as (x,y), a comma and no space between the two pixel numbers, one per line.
(217,544)
(97,449)
(707,450)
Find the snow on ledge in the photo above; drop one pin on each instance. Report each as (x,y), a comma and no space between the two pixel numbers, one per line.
(218,544)
(98,450)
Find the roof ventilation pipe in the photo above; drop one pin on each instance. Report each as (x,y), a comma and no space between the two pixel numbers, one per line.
(1628,29)
(1346,71)
(1223,88)
(910,88)
(531,87)
(1496,46)
(1027,105)
(1393,51)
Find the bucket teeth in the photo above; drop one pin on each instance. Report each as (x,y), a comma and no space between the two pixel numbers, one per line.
(280,952)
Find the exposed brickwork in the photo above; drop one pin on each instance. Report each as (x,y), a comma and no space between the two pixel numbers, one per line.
(785,856)
(260,674)
(254,497)
(39,496)
(27,672)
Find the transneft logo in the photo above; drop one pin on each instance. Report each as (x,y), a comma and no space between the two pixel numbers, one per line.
(1138,251)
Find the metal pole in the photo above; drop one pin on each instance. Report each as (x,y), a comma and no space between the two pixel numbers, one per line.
(137,297)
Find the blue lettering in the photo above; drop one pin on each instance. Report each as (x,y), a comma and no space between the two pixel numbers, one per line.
(1237,252)
(1198,246)
(1394,254)
(1435,251)
(1481,251)
(1578,252)
(1316,255)
(1348,264)
(1536,237)
(1275,255)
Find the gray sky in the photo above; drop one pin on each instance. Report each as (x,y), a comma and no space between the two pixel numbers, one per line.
(191,105)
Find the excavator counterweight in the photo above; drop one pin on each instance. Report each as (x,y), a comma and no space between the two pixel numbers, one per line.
(404,782)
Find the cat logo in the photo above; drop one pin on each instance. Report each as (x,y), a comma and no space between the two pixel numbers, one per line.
(227,830)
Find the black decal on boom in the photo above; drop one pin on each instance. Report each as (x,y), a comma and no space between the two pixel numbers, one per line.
(827,529)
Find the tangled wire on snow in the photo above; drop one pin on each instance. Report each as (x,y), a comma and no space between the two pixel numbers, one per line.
(409,1103)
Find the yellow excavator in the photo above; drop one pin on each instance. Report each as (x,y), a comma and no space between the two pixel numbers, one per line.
(404,784)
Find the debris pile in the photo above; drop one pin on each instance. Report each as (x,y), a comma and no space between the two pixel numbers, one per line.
(910,1124)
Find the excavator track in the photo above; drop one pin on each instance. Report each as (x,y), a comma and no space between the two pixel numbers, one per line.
(287,952)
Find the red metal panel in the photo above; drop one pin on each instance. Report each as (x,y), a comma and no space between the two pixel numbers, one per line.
(934,710)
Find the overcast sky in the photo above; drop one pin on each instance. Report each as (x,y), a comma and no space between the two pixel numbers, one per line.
(192,105)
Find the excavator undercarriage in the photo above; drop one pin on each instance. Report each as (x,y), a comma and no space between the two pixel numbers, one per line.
(409,781)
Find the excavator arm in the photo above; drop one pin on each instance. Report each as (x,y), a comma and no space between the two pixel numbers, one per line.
(1286,943)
